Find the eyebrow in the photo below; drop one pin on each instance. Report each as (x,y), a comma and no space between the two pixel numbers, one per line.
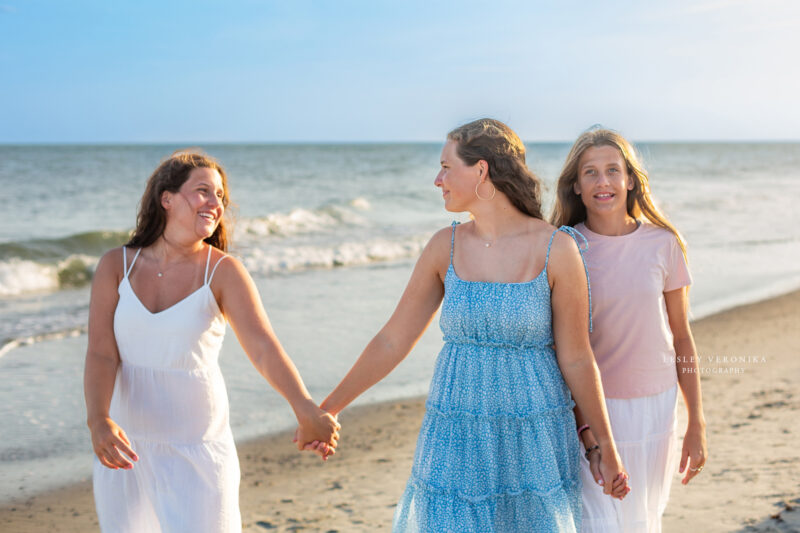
(209,185)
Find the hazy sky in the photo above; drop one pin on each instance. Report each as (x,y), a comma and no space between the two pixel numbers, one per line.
(200,71)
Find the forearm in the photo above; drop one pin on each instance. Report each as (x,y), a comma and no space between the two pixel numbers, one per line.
(281,373)
(98,386)
(688,368)
(583,379)
(587,437)
(379,358)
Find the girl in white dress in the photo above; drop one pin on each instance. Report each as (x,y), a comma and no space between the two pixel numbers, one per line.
(641,338)
(156,402)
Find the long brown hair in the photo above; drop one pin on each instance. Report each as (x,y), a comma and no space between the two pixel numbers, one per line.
(569,209)
(170,175)
(492,141)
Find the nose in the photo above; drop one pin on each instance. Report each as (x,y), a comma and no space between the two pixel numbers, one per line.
(215,201)
(602,178)
(438,180)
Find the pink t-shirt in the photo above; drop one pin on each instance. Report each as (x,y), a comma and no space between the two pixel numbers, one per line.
(631,337)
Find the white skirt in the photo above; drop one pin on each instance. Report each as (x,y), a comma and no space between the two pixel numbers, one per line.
(644,430)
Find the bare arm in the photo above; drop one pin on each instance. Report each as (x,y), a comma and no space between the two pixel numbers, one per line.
(241,304)
(395,340)
(575,358)
(102,360)
(694,441)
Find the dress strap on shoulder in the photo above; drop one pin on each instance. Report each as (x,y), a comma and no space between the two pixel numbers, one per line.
(213,270)
(582,247)
(453,239)
(208,261)
(125,268)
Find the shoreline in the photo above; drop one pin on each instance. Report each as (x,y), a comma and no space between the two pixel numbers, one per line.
(750,475)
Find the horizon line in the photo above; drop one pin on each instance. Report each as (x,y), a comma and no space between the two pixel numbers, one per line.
(362,142)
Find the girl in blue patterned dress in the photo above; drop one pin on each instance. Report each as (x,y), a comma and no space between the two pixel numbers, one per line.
(497,450)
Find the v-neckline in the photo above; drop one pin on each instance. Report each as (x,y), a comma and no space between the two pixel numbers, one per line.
(136,296)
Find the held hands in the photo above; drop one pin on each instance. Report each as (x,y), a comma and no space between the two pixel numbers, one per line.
(695,452)
(109,443)
(610,469)
(318,431)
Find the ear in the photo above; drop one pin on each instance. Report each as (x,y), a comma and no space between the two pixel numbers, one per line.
(166,200)
(576,188)
(630,183)
(483,169)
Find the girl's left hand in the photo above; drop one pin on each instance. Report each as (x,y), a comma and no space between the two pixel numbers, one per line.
(695,451)
(320,448)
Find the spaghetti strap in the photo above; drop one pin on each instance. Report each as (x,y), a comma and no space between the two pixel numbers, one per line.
(127,269)
(221,259)
(208,260)
(575,234)
(453,240)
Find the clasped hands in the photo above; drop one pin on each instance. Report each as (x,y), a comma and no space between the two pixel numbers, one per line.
(619,487)
(318,432)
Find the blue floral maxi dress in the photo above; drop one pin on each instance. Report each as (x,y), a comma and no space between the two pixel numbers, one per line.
(497,451)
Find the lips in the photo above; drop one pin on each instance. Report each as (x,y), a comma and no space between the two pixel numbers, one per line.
(604,195)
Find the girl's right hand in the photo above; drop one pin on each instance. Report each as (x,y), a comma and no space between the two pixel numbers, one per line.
(318,426)
(619,488)
(109,443)
(611,468)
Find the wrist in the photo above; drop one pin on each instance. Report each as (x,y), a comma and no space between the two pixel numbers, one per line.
(697,423)
(607,447)
(93,420)
(588,439)
(305,410)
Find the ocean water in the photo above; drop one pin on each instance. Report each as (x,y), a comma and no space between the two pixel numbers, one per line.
(330,234)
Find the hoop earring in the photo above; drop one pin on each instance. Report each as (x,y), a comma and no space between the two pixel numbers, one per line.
(494,191)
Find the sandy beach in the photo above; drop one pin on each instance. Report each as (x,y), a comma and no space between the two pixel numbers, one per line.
(749,357)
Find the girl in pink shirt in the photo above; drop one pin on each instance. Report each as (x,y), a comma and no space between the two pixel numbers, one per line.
(641,338)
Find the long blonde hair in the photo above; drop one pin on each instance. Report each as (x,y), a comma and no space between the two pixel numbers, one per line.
(569,209)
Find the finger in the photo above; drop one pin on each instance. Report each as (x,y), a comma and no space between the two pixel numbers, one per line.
(620,481)
(696,464)
(104,462)
(598,478)
(124,437)
(684,457)
(118,459)
(124,445)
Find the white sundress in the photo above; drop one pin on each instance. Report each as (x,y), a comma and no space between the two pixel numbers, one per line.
(170,399)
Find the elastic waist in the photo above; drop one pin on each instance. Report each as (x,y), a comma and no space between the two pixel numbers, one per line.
(495,344)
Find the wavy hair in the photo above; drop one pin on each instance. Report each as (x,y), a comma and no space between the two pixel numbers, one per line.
(569,209)
(492,141)
(170,175)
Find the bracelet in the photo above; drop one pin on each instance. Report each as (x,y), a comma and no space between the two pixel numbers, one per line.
(590,449)
(582,429)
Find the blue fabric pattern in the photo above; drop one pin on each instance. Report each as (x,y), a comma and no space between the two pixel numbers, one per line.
(497,451)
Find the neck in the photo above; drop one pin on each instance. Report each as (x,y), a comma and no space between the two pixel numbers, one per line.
(612,224)
(171,248)
(497,220)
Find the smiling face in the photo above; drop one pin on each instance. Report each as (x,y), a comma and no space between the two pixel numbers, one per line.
(197,207)
(603,181)
(457,179)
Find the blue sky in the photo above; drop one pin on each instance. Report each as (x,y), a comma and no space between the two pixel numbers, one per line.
(269,71)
